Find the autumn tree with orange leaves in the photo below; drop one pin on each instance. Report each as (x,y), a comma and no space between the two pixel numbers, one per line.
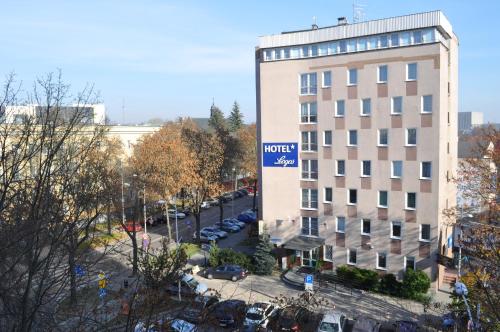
(478,219)
(247,136)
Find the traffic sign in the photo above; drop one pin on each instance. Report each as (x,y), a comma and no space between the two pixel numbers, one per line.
(308,282)
(102,292)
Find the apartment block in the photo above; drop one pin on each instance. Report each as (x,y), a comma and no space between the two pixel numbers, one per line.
(357,131)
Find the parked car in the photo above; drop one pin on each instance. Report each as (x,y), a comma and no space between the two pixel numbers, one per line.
(186,211)
(405,326)
(332,322)
(227,197)
(189,286)
(289,319)
(228,227)
(365,324)
(197,311)
(229,313)
(237,194)
(235,221)
(216,231)
(131,225)
(258,314)
(206,237)
(180,215)
(179,325)
(247,217)
(205,205)
(213,201)
(227,271)
(243,191)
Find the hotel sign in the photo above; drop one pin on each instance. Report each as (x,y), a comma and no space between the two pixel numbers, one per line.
(280,154)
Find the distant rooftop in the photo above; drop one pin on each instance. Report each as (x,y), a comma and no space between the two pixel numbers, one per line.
(344,30)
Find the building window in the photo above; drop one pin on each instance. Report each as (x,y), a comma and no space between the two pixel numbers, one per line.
(361,44)
(411,201)
(397,105)
(411,136)
(404,38)
(308,84)
(342,46)
(417,37)
(427,104)
(383,41)
(409,263)
(425,170)
(351,256)
(394,40)
(309,198)
(352,139)
(366,168)
(425,232)
(396,169)
(353,196)
(365,227)
(309,169)
(396,230)
(309,141)
(366,106)
(381,260)
(304,51)
(314,50)
(327,79)
(340,108)
(328,195)
(327,137)
(382,198)
(310,226)
(309,113)
(268,55)
(383,137)
(352,76)
(382,74)
(411,72)
(340,226)
(277,54)
(328,253)
(340,169)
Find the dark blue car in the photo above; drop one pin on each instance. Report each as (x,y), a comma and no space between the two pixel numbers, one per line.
(247,217)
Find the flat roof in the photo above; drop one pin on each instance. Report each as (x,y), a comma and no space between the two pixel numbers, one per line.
(386,25)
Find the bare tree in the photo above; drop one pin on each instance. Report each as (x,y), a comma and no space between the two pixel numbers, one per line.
(46,202)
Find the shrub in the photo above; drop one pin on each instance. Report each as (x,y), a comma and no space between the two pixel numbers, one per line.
(415,283)
(390,285)
(263,257)
(220,256)
(362,278)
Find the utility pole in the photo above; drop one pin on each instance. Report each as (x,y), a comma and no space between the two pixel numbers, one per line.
(144,207)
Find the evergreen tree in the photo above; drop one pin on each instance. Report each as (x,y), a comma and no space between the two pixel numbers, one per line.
(263,257)
(235,119)
(217,121)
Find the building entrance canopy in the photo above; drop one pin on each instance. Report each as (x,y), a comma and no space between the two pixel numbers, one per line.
(304,243)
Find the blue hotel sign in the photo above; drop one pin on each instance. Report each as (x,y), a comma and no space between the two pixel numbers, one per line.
(280,154)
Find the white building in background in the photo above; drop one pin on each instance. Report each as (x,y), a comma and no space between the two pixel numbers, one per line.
(130,135)
(92,114)
(469,120)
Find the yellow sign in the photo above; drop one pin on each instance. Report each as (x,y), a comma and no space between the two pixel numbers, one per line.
(102,283)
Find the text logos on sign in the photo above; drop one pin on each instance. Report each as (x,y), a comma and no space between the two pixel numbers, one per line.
(280,154)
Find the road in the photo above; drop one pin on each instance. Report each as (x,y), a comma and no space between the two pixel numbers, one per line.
(118,259)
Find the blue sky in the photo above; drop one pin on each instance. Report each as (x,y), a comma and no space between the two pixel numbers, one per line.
(170,58)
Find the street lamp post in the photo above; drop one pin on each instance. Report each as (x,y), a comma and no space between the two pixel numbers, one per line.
(144,207)
(177,242)
(234,192)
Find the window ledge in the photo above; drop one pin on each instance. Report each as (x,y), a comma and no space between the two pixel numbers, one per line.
(397,114)
(382,82)
(425,112)
(383,145)
(396,177)
(411,80)
(382,207)
(340,175)
(381,268)
(410,209)
(349,263)
(326,87)
(340,232)
(352,146)
(352,84)
(328,202)
(311,180)
(308,123)
(327,145)
(338,116)
(365,176)
(365,115)
(309,209)
(424,241)
(351,204)
(395,238)
(366,234)
(425,179)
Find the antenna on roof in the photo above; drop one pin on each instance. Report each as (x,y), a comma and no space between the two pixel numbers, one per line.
(358,12)
(314,25)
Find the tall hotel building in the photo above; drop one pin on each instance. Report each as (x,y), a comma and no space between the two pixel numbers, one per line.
(357,130)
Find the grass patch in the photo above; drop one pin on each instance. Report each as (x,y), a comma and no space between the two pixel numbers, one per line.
(190,249)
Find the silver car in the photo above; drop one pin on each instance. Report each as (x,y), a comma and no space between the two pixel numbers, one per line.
(332,321)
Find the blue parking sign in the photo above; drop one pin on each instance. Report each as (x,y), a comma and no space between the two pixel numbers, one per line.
(308,279)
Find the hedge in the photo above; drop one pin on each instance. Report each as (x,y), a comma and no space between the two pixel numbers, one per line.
(220,256)
(414,286)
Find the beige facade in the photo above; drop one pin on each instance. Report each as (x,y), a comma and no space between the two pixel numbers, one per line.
(280,101)
(130,135)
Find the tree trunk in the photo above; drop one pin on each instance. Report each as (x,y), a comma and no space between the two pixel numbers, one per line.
(135,257)
(108,216)
(254,194)
(221,209)
(198,225)
(72,274)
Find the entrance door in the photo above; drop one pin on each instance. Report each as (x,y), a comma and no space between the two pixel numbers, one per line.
(310,257)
